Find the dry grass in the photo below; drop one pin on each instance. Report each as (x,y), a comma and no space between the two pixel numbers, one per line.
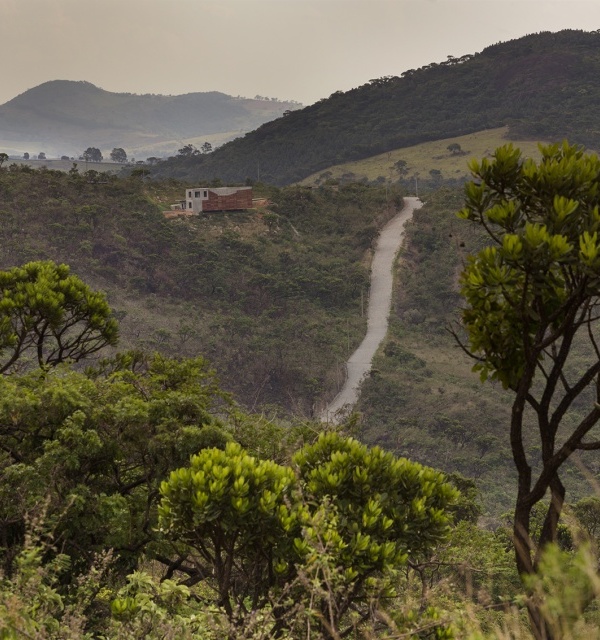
(422,158)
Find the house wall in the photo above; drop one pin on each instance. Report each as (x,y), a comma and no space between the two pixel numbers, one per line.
(201,199)
(194,199)
(239,200)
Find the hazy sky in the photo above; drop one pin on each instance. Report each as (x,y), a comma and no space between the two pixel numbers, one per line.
(291,49)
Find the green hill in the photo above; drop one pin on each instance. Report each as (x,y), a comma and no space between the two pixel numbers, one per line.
(272,297)
(428,163)
(542,86)
(65,117)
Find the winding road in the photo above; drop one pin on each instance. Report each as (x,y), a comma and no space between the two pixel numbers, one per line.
(380,300)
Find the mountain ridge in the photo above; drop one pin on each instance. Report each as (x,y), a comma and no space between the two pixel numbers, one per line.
(63,116)
(543,86)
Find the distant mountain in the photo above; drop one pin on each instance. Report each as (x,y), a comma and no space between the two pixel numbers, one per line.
(543,86)
(65,117)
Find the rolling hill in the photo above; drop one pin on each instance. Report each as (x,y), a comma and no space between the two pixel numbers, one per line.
(542,86)
(65,117)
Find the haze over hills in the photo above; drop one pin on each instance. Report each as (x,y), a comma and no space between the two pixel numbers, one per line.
(65,117)
(542,86)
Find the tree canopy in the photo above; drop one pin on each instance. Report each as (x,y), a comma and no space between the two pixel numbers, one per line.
(50,314)
(532,301)
(118,155)
(92,154)
(253,525)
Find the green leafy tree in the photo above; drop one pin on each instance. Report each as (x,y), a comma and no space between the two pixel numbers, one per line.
(50,314)
(258,528)
(231,508)
(587,512)
(206,147)
(118,155)
(386,512)
(530,298)
(92,449)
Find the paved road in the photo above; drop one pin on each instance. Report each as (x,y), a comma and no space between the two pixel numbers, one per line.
(380,300)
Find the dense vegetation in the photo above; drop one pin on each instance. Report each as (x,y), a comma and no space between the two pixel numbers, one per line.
(141,501)
(464,428)
(271,297)
(543,86)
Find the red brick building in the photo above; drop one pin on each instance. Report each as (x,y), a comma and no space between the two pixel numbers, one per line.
(202,199)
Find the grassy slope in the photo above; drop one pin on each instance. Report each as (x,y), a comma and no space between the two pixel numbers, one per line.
(422,158)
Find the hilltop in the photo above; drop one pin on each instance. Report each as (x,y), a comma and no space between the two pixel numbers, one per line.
(65,117)
(541,86)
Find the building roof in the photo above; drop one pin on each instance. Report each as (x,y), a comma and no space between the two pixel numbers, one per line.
(220,191)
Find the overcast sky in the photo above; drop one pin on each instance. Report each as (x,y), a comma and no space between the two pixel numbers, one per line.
(302,50)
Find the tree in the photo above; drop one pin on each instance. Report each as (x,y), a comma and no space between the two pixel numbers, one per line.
(52,314)
(41,155)
(26,156)
(206,147)
(90,450)
(118,155)
(401,167)
(3,158)
(255,526)
(92,154)
(532,301)
(455,149)
(230,507)
(188,151)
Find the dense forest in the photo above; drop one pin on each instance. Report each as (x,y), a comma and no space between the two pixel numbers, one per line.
(543,86)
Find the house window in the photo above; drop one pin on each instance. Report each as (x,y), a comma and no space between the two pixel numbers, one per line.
(206,194)
(196,194)
(189,194)
(189,205)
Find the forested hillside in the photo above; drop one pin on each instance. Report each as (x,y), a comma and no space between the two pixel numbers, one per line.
(139,500)
(543,86)
(422,399)
(271,297)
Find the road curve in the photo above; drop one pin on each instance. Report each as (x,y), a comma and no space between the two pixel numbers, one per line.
(380,300)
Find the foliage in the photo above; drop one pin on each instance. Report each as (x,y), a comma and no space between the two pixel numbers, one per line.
(94,450)
(271,296)
(118,154)
(92,154)
(529,297)
(253,525)
(46,311)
